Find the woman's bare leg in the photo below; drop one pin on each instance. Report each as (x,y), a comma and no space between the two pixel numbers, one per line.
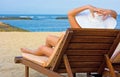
(46,50)
(51,40)
(43,50)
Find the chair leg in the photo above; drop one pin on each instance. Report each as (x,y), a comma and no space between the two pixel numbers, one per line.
(88,74)
(26,71)
(109,64)
(67,65)
(74,74)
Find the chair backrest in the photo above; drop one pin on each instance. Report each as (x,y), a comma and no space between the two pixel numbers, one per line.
(85,49)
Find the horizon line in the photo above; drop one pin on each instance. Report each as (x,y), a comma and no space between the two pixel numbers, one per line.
(35,14)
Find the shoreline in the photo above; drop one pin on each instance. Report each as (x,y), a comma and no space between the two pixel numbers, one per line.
(9,28)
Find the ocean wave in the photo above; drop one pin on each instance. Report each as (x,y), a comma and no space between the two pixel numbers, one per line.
(33,17)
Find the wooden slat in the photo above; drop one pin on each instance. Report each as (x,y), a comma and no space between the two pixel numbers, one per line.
(86,58)
(96,32)
(83,46)
(77,70)
(82,64)
(92,39)
(84,52)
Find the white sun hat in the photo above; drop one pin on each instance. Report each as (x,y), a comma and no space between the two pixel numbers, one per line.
(88,21)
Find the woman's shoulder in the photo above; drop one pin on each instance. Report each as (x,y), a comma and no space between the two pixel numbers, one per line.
(85,12)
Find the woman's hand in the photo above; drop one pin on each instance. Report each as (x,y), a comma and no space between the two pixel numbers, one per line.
(92,9)
(104,12)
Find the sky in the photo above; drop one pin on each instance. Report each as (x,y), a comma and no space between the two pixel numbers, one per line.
(52,6)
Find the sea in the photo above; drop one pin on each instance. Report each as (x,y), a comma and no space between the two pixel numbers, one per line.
(41,23)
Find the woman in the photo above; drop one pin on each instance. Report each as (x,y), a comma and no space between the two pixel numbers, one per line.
(101,13)
(51,41)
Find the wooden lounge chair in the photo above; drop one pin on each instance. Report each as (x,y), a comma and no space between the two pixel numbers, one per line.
(79,51)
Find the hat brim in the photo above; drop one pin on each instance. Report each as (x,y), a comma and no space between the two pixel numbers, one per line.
(85,22)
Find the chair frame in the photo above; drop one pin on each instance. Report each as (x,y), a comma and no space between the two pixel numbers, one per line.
(63,56)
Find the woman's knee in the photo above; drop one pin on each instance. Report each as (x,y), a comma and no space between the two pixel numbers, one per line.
(52,40)
(42,47)
(45,50)
(49,38)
